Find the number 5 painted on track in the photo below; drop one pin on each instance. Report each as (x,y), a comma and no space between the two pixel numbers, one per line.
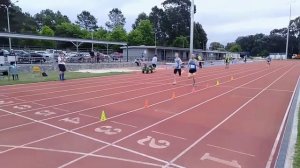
(108,130)
(161,144)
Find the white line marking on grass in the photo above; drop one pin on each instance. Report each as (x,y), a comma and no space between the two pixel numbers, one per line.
(128,125)
(174,136)
(226,119)
(242,153)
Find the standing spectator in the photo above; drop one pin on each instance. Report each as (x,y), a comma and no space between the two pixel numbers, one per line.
(61,66)
(177,67)
(200,61)
(154,61)
(13,71)
(92,54)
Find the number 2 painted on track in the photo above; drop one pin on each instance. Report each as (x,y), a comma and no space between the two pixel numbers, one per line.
(44,113)
(108,130)
(161,144)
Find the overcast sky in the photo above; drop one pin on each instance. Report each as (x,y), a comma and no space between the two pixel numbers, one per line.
(223,20)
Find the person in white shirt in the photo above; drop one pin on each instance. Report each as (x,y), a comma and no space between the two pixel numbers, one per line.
(154,61)
(177,67)
(61,66)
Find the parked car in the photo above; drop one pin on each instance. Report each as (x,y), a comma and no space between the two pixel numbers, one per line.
(116,56)
(6,58)
(75,58)
(47,56)
(31,58)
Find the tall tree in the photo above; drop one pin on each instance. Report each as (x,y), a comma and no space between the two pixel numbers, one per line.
(116,19)
(200,37)
(68,30)
(177,13)
(49,18)
(157,18)
(47,31)
(141,16)
(216,46)
(87,21)
(181,42)
(118,34)
(135,37)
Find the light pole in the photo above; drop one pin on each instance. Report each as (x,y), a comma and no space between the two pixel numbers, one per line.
(288,32)
(192,29)
(155,43)
(8,24)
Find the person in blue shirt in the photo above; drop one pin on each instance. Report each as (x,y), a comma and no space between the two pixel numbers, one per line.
(13,71)
(192,65)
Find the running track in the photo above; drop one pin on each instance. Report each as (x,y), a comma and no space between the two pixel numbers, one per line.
(150,122)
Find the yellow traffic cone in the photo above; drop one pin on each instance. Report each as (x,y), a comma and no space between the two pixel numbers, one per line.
(103,116)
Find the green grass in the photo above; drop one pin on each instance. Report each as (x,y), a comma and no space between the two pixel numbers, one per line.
(52,76)
(297,150)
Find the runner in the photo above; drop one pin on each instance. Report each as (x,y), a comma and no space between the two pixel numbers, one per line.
(192,68)
(177,67)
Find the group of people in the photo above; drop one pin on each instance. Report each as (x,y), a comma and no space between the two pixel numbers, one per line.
(192,67)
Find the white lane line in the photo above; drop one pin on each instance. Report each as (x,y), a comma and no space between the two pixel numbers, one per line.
(60,109)
(164,111)
(234,151)
(240,96)
(132,151)
(111,104)
(128,125)
(161,121)
(122,113)
(88,116)
(174,136)
(94,91)
(227,118)
(252,88)
(81,153)
(81,135)
(281,129)
(130,98)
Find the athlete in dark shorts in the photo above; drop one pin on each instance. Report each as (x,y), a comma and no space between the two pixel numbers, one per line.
(227,61)
(61,66)
(177,67)
(192,68)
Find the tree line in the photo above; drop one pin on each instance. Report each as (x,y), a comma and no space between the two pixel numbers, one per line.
(262,44)
(166,26)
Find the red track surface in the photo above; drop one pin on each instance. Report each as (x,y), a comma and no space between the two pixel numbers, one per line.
(235,124)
